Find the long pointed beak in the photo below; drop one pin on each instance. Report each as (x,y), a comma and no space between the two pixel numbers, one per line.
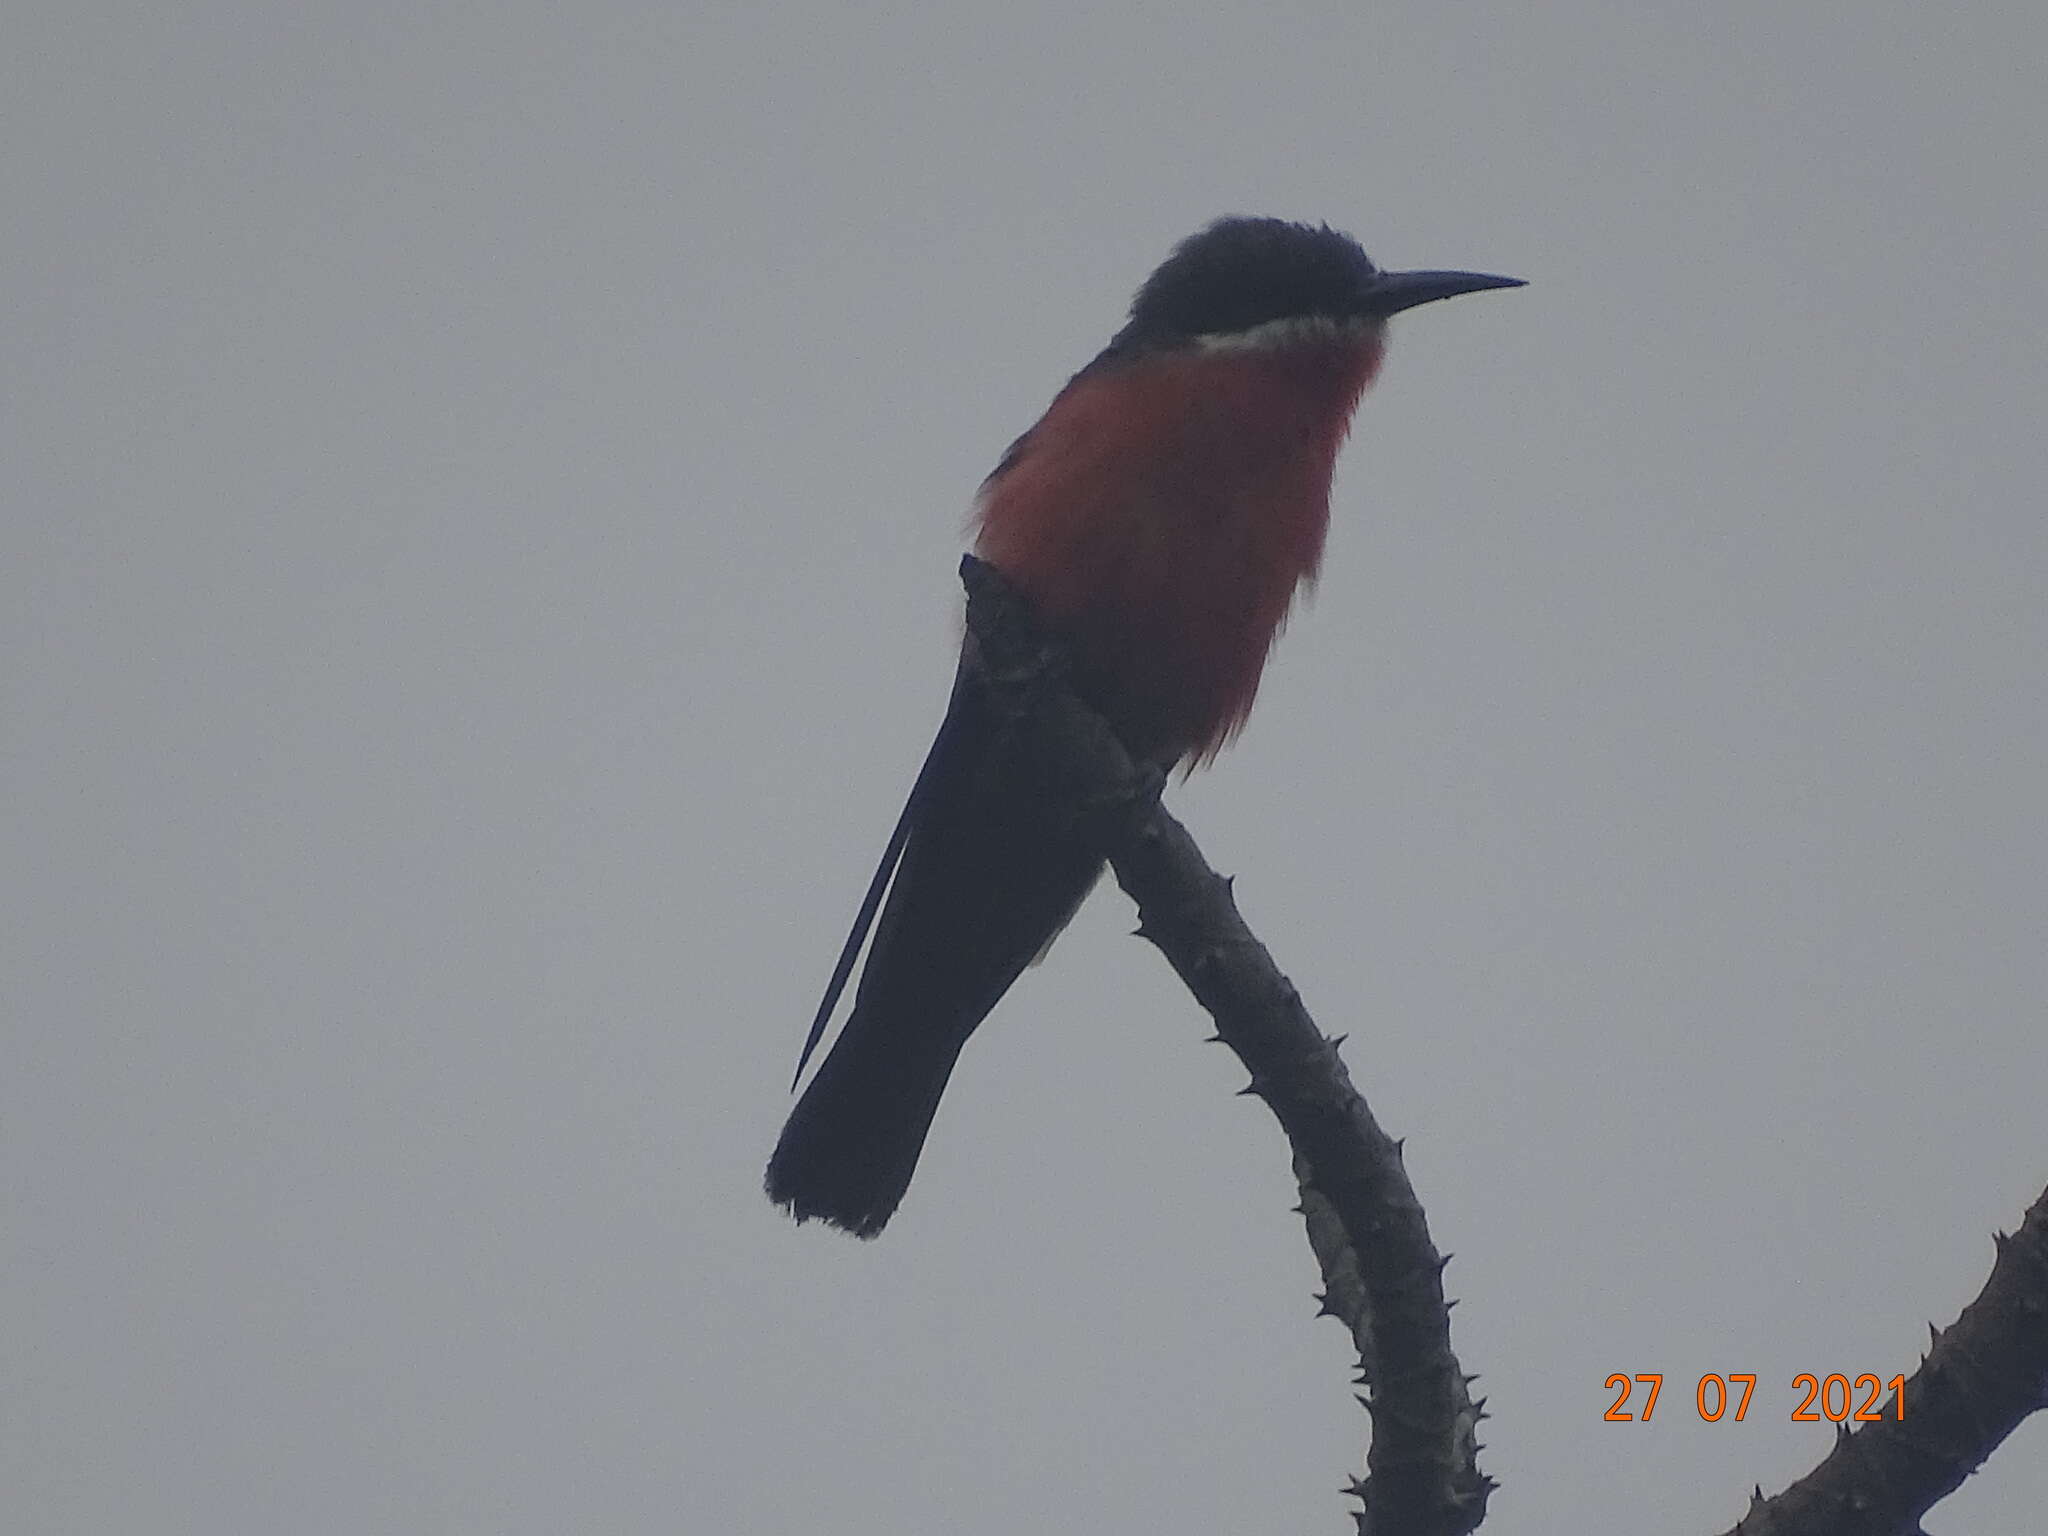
(1391,292)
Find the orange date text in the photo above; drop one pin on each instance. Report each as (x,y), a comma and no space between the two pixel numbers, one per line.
(1834,1397)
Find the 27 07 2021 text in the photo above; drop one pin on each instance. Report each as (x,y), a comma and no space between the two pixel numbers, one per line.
(1833,1397)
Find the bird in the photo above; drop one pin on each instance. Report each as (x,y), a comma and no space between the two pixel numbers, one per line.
(1159,518)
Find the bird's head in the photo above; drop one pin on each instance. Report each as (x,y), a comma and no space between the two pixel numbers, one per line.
(1253,282)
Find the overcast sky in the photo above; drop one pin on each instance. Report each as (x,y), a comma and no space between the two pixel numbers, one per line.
(482,488)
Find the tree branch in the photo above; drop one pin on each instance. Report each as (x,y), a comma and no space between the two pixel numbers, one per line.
(1978,1379)
(1382,1276)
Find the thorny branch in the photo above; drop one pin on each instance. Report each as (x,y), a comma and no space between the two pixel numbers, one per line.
(1383,1279)
(1382,1276)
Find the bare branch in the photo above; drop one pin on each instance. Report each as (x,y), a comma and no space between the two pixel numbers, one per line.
(1382,1276)
(1978,1379)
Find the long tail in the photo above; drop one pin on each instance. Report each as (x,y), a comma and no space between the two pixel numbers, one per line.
(983,880)
(853,1140)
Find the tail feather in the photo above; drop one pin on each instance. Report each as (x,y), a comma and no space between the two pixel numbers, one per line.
(852,1143)
(984,876)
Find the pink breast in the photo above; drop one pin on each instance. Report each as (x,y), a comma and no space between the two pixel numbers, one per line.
(1163,514)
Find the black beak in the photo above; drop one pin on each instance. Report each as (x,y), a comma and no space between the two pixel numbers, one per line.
(1391,292)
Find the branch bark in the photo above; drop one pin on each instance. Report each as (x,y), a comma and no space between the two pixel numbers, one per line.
(1978,1379)
(1383,1278)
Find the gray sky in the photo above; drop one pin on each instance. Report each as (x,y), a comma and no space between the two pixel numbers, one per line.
(482,492)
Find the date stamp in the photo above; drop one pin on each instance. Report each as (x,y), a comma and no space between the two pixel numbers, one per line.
(1832,1398)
